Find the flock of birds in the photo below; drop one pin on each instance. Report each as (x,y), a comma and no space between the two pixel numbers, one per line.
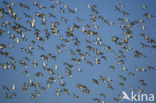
(55,41)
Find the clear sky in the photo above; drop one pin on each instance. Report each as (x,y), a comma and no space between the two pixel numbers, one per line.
(105,8)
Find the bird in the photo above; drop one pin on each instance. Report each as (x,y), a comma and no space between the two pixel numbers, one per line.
(55,41)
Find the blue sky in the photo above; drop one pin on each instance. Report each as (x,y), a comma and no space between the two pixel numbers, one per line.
(105,8)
